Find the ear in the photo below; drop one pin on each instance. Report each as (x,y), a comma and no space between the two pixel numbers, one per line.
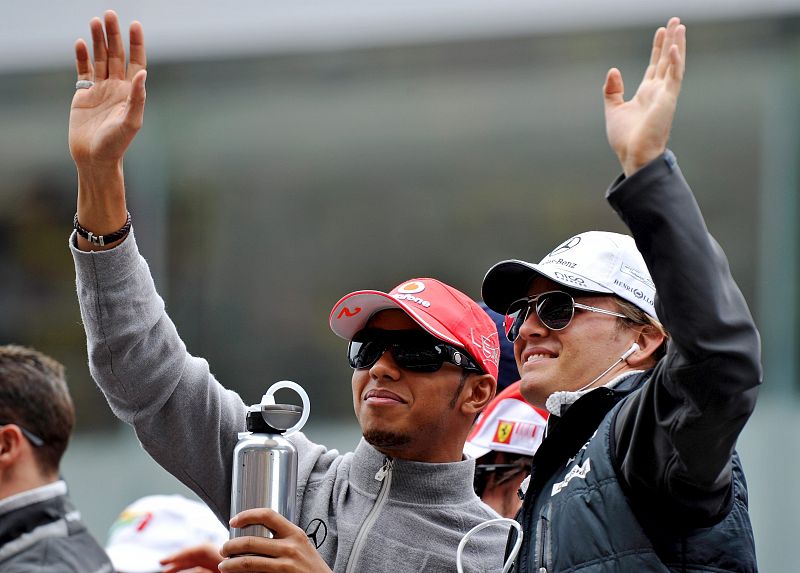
(11,443)
(478,392)
(649,340)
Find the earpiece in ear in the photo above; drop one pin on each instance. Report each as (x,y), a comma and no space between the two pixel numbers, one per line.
(634,347)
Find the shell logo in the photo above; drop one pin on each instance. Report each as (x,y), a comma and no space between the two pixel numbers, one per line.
(412,287)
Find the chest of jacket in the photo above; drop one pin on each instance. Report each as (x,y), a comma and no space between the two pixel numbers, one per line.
(580,519)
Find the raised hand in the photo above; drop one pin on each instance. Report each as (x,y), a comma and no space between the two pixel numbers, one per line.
(290,551)
(103,121)
(638,130)
(105,118)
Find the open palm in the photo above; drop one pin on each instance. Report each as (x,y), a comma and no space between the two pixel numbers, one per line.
(638,130)
(104,119)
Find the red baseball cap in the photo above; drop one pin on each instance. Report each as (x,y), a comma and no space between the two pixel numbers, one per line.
(508,424)
(446,313)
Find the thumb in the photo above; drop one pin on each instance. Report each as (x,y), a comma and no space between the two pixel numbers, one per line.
(614,89)
(134,112)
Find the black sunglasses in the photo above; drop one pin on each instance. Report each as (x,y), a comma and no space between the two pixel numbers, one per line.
(555,310)
(411,349)
(32,438)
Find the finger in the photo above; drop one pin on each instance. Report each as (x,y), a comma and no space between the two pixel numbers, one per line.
(655,54)
(99,49)
(677,63)
(134,109)
(269,518)
(669,39)
(205,554)
(675,68)
(116,49)
(253,563)
(138,58)
(680,41)
(251,545)
(614,89)
(178,557)
(83,63)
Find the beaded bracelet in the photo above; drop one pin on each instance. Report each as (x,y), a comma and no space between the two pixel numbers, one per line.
(102,240)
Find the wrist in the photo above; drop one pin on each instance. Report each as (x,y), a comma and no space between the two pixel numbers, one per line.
(101,204)
(99,173)
(89,241)
(632,163)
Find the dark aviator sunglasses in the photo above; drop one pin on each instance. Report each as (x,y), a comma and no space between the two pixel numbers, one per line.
(411,350)
(555,310)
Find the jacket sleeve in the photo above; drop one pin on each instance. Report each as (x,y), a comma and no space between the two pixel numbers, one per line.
(674,439)
(185,419)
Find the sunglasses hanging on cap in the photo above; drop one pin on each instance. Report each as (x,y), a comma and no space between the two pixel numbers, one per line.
(411,349)
(555,310)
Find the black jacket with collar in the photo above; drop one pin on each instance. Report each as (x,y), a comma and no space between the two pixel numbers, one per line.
(661,443)
(45,535)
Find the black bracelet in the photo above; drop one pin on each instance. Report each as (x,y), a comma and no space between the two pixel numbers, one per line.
(102,240)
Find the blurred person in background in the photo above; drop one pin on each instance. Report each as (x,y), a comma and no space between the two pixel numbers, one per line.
(502,441)
(40,530)
(638,471)
(158,530)
(424,357)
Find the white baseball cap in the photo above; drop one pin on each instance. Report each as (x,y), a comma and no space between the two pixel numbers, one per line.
(155,526)
(508,424)
(594,261)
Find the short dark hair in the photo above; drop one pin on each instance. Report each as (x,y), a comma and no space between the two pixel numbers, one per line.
(34,395)
(636,316)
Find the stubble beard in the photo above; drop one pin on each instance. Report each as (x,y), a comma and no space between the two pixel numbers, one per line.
(383,440)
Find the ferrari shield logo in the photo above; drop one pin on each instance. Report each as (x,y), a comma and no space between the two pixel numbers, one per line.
(504,431)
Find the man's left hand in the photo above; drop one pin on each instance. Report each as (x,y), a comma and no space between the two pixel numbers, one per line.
(290,551)
(638,130)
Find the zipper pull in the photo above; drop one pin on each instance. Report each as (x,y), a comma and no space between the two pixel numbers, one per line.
(385,469)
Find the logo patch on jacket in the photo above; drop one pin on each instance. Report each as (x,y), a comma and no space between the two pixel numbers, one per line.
(577,472)
(317,531)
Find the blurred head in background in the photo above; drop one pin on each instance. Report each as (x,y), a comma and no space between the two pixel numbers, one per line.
(156,526)
(36,419)
(503,441)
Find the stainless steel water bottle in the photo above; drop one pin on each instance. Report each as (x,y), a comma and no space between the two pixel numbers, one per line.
(265,462)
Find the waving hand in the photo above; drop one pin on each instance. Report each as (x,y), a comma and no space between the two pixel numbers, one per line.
(106,113)
(638,130)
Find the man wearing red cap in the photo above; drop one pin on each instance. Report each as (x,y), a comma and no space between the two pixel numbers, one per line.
(424,357)
(638,471)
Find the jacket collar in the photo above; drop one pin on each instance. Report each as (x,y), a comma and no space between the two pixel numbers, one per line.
(558,402)
(36,514)
(414,482)
(566,434)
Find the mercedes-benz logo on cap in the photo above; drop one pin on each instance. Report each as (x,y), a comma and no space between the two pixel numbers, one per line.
(565,246)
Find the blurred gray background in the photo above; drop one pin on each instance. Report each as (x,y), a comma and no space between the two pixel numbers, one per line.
(293,152)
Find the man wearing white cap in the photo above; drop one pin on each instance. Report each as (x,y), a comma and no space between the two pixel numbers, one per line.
(638,471)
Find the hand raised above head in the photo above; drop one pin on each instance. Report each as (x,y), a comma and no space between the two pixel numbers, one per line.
(638,130)
(105,117)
